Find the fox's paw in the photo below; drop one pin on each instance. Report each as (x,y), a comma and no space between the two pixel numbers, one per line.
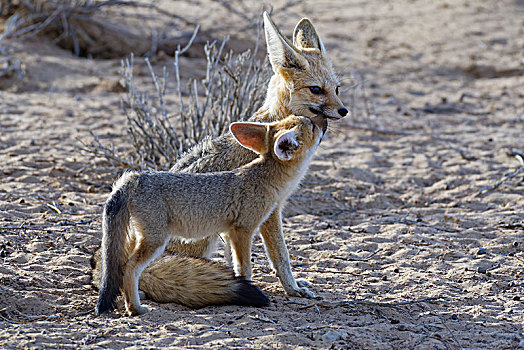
(303,283)
(306,293)
(301,290)
(140,310)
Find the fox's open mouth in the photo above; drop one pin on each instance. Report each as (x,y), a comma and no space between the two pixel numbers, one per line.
(320,113)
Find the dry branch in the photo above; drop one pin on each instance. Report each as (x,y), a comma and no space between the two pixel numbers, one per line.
(511,175)
(348,303)
(366,258)
(41,226)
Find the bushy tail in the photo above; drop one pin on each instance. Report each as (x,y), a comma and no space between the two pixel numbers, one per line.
(194,282)
(197,282)
(115,225)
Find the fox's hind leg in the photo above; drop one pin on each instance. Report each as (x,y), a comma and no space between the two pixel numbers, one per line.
(146,250)
(227,248)
(240,239)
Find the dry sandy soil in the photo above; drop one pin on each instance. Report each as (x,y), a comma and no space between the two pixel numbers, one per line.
(409,225)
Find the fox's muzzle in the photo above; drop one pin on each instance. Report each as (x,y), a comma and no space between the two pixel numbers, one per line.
(342,112)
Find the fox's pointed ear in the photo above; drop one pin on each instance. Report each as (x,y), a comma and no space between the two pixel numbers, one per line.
(282,53)
(305,36)
(286,145)
(250,135)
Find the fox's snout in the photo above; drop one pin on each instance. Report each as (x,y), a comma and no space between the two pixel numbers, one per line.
(336,109)
(337,112)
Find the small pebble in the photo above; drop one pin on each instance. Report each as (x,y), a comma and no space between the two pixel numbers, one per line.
(482,269)
(402,328)
(454,317)
(482,251)
(515,244)
(516,298)
(333,335)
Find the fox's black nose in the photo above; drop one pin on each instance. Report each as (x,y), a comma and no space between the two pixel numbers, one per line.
(343,111)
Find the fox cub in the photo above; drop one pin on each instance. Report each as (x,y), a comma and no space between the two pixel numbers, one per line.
(145,210)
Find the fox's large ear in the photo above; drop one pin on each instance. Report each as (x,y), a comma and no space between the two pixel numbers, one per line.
(305,36)
(282,53)
(250,135)
(285,145)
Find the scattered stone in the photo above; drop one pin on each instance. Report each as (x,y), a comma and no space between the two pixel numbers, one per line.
(332,335)
(482,251)
(482,269)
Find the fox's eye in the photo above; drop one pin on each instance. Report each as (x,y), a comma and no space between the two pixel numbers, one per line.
(336,90)
(316,90)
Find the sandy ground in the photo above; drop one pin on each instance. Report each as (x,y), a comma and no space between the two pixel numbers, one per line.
(394,226)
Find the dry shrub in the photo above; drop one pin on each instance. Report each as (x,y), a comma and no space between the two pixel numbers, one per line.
(100,29)
(233,89)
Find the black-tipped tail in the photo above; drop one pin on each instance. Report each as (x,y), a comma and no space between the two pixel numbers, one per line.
(105,305)
(247,294)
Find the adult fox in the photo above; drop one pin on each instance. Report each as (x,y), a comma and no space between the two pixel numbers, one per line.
(304,83)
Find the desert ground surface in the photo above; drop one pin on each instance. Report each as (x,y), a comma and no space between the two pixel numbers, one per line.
(409,225)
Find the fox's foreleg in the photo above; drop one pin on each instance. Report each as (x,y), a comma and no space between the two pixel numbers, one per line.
(276,250)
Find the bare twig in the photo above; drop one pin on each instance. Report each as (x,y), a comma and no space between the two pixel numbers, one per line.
(366,258)
(262,318)
(335,272)
(348,303)
(406,221)
(448,143)
(511,175)
(98,149)
(40,226)
(449,330)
